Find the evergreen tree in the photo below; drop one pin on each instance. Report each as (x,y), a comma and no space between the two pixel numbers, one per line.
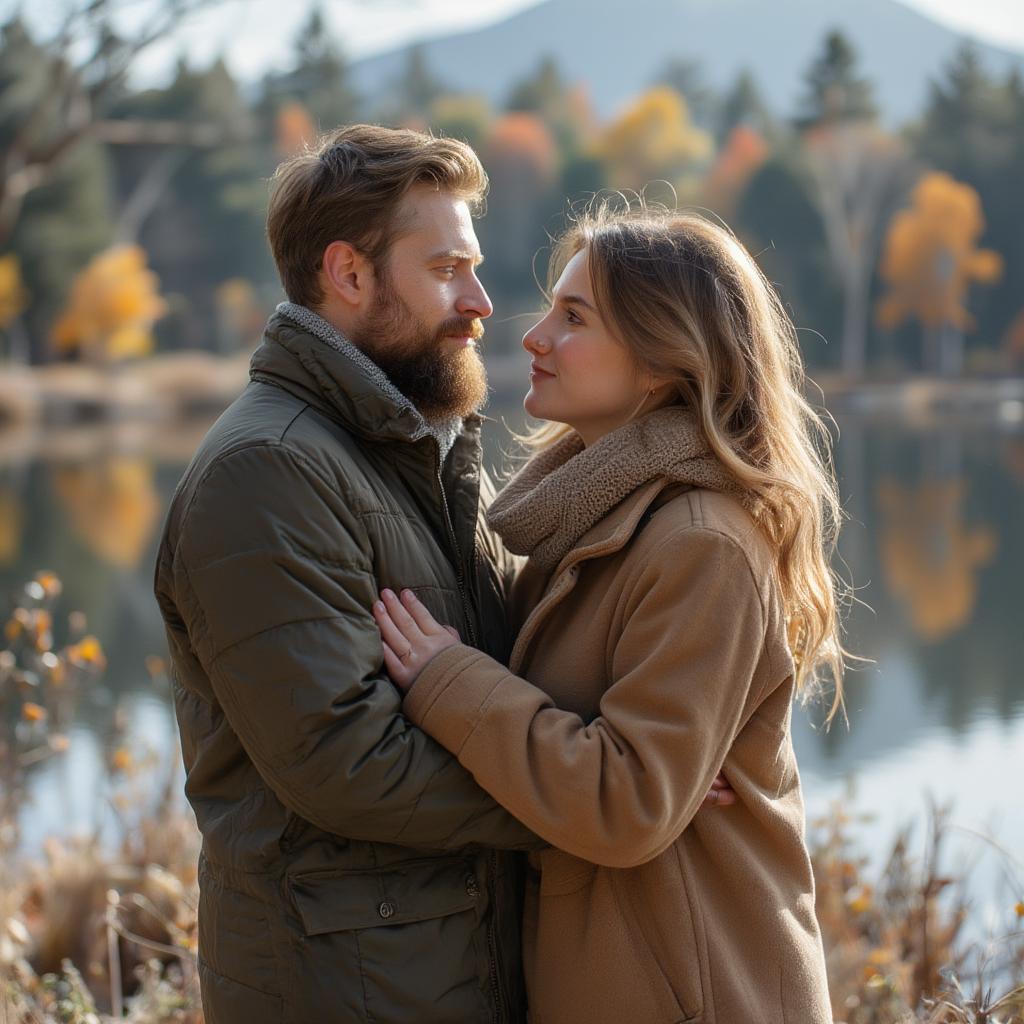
(687,78)
(319,79)
(743,105)
(539,93)
(417,88)
(834,91)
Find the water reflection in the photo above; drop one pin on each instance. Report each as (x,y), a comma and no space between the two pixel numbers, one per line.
(930,555)
(112,505)
(932,543)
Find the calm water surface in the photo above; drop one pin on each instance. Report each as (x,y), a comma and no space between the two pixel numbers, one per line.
(934,545)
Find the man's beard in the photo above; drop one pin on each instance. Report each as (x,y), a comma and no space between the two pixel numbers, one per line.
(439,383)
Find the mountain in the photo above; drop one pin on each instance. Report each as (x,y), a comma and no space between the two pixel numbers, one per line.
(617,48)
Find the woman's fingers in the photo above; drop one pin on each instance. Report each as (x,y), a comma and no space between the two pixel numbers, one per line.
(390,633)
(392,663)
(453,632)
(418,610)
(405,623)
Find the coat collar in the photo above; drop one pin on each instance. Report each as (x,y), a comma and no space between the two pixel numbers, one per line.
(567,492)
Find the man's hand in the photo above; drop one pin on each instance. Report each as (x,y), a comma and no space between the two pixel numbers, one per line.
(721,794)
(411,636)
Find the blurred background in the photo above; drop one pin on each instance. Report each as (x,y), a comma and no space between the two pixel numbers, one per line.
(871,155)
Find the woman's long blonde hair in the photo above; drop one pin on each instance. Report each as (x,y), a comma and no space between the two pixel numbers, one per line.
(692,306)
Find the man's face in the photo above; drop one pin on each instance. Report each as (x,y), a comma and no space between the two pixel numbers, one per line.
(424,322)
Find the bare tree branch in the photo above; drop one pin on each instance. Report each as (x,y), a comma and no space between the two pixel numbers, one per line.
(76,90)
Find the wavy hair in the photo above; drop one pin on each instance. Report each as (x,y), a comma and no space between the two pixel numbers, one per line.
(692,306)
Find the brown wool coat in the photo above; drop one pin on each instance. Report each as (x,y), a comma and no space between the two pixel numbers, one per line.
(652,656)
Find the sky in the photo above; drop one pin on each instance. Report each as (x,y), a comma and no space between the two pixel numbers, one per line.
(250,32)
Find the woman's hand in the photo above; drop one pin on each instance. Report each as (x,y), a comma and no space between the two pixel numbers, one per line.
(411,635)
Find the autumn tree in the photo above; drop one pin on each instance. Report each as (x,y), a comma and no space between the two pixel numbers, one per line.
(203,221)
(113,305)
(931,259)
(973,129)
(743,154)
(293,129)
(521,158)
(652,139)
(13,296)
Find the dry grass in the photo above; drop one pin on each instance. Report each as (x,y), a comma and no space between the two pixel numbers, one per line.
(90,934)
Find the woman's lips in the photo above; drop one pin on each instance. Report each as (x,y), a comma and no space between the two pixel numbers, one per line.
(536,373)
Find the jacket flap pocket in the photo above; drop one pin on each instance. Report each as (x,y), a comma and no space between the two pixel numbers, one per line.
(337,901)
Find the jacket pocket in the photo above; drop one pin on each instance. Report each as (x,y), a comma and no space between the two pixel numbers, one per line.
(413,933)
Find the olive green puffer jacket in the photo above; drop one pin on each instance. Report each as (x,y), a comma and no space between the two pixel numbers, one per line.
(350,867)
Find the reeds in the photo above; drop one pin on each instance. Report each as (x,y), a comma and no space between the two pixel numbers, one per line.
(91,933)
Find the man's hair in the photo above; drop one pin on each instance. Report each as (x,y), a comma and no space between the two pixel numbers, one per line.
(348,186)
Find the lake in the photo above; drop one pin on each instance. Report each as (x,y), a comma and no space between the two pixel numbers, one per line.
(933,545)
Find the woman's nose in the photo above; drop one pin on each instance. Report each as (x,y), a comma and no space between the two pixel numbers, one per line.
(534,342)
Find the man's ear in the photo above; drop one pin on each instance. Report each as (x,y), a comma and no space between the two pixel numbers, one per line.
(347,274)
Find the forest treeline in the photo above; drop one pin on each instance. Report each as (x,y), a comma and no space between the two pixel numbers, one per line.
(131,220)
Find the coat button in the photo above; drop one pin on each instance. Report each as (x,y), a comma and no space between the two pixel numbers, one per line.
(472,886)
(387,909)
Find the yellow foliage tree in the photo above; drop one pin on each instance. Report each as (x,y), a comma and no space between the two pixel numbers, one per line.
(113,305)
(13,297)
(654,138)
(931,257)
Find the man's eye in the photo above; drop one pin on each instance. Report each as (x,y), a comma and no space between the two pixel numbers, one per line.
(448,270)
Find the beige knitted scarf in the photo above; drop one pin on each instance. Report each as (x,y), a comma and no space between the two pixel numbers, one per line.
(566,489)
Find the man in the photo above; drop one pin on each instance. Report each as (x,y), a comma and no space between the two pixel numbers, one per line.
(351,869)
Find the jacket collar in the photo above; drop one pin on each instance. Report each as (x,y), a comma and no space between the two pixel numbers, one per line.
(302,353)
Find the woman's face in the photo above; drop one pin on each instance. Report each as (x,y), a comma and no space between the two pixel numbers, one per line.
(580,375)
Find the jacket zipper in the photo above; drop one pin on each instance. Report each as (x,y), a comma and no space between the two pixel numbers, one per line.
(492,950)
(460,576)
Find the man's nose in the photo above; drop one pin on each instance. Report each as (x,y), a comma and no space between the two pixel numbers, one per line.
(475,303)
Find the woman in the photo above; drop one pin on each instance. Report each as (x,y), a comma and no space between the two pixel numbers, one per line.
(678,521)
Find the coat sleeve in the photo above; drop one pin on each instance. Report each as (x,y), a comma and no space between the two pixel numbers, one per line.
(275,587)
(620,789)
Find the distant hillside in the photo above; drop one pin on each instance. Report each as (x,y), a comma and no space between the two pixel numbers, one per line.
(617,48)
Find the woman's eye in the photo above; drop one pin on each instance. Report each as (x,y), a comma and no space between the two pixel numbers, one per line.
(572,317)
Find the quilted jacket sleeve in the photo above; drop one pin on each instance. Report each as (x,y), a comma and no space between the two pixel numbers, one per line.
(275,586)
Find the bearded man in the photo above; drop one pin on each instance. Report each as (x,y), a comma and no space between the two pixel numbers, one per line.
(351,870)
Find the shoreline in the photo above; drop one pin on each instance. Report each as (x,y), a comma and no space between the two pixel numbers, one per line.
(184,388)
